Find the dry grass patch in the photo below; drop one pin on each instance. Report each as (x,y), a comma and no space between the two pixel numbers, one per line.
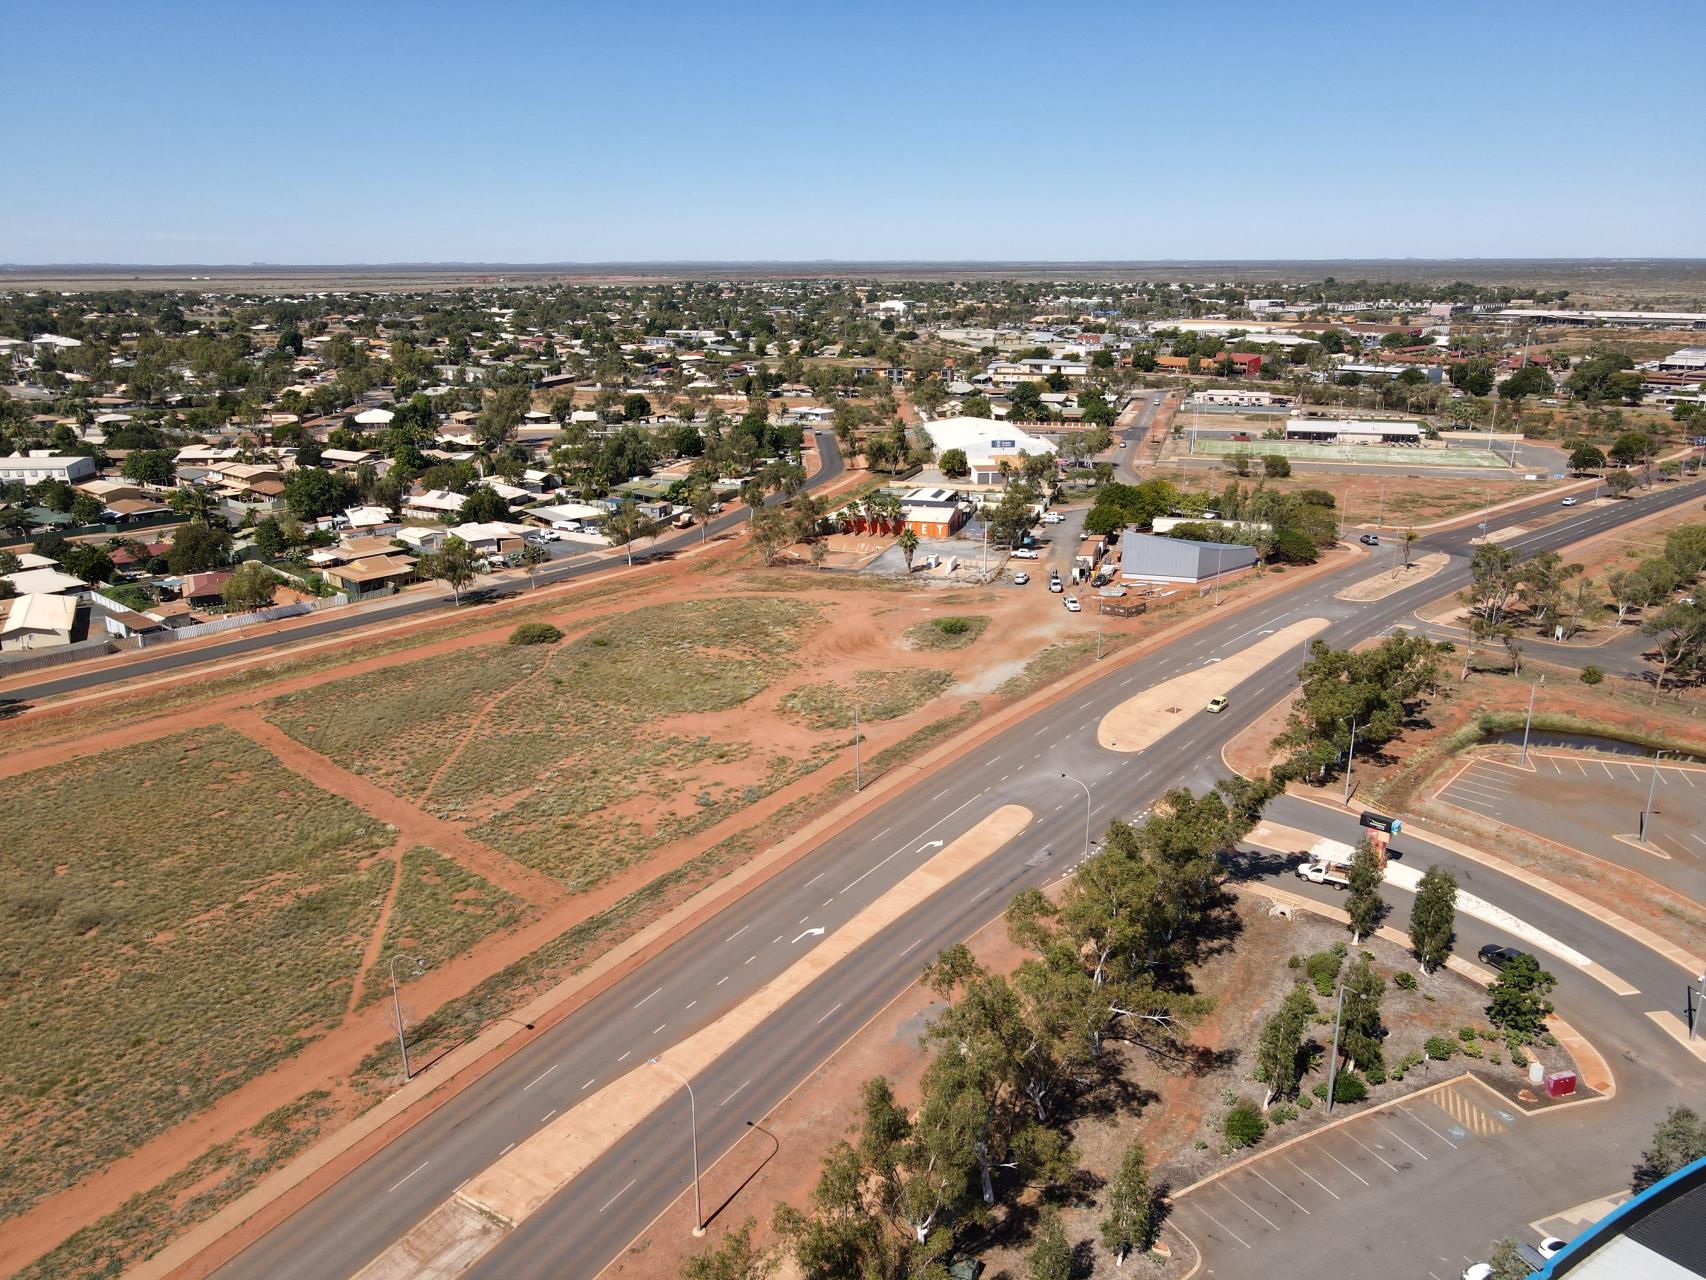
(880,695)
(178,919)
(955,631)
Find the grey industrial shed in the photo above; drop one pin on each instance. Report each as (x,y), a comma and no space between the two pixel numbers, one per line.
(1147,558)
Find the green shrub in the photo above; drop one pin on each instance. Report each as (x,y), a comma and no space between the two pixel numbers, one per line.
(1281,1113)
(1348,1086)
(1244,1124)
(1518,1057)
(1304,1102)
(1404,980)
(1439,1048)
(1471,1049)
(1410,1060)
(1466,1034)
(1374,1073)
(952,626)
(1323,967)
(1296,962)
(535,633)
(1592,674)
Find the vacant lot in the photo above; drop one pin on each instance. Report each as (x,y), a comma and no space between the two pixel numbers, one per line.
(580,757)
(877,695)
(177,920)
(441,909)
(1391,501)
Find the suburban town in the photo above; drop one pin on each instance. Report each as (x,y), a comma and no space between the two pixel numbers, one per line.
(656,764)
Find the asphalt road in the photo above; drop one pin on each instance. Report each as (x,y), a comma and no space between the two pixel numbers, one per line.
(585,1226)
(406,606)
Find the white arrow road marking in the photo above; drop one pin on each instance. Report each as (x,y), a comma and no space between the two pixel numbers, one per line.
(810,933)
(930,844)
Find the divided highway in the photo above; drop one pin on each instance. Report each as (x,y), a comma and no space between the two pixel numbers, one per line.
(591,1221)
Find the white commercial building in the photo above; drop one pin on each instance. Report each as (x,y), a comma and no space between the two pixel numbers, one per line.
(40,464)
(984,439)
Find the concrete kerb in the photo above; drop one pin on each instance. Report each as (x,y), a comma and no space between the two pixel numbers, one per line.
(1679,956)
(414,1101)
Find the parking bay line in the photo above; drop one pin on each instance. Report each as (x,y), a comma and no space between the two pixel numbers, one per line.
(1436,1133)
(1252,1208)
(1217,1222)
(1311,1177)
(1265,1179)
(1371,1151)
(1395,1134)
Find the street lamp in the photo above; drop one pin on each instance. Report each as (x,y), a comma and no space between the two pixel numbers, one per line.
(397,1008)
(856,737)
(1529,722)
(1086,787)
(1350,756)
(693,1121)
(1647,813)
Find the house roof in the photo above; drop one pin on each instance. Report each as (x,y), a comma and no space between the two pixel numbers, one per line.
(50,582)
(36,612)
(374,568)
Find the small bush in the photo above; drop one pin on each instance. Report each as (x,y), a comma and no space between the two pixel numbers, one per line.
(1324,966)
(1471,1048)
(1466,1034)
(1348,1086)
(535,633)
(952,626)
(1409,1061)
(1592,675)
(1296,962)
(1304,1102)
(1439,1048)
(1495,1057)
(1281,1113)
(1404,980)
(1374,1073)
(1518,1057)
(1244,1124)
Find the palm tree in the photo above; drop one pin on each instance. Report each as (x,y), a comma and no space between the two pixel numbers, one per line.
(908,546)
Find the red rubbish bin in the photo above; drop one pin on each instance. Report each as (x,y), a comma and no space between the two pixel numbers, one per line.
(1560,1084)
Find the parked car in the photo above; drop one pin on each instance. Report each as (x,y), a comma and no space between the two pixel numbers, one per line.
(1216,705)
(1478,1271)
(1122,444)
(1570,502)
(542,536)
(1055,584)
(1020,579)
(1498,956)
(1369,540)
(1052,517)
(1552,1246)
(1072,605)
(1026,553)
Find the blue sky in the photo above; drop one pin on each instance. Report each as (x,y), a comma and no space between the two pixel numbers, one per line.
(314,132)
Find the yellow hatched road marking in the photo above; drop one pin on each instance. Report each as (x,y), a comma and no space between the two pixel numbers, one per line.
(1467,1114)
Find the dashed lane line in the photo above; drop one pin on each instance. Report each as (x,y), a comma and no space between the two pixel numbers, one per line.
(837,1005)
(411,1173)
(536,1079)
(613,1199)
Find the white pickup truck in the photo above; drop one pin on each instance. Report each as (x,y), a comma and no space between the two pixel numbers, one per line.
(1328,862)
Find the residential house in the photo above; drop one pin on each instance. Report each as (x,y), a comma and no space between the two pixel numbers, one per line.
(424,539)
(434,504)
(371,573)
(934,513)
(45,581)
(42,464)
(38,622)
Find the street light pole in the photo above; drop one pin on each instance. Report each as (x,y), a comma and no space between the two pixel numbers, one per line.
(1098,631)
(1086,787)
(693,1119)
(397,1014)
(1350,756)
(1529,722)
(1333,1058)
(1647,813)
(856,744)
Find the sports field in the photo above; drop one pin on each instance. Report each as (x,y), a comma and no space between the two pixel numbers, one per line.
(1374,455)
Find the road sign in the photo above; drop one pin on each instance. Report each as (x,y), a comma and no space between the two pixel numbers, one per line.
(1380,822)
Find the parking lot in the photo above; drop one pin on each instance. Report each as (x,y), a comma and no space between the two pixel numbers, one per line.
(1594,803)
(1347,1200)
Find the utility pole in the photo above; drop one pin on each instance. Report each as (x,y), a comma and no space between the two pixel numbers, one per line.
(1098,631)
(1528,723)
(1349,757)
(1333,1057)
(1086,787)
(1647,813)
(397,1013)
(693,1124)
(856,779)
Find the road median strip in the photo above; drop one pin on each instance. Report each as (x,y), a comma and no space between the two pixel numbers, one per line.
(456,1234)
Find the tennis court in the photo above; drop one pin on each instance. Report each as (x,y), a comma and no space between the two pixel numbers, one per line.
(1378,454)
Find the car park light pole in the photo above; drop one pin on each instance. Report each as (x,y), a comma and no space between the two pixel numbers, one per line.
(693,1124)
(1350,756)
(1647,813)
(1086,787)
(1529,722)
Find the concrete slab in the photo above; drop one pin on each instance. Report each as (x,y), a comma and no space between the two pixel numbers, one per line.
(1144,719)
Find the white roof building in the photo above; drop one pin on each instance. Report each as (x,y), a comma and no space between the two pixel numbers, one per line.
(38,622)
(435,502)
(46,582)
(984,438)
(374,418)
(39,465)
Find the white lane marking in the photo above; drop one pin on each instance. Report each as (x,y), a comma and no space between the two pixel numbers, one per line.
(1311,1177)
(589,1084)
(819,876)
(655,992)
(913,944)
(660,1026)
(819,1022)
(1436,1133)
(1371,1151)
(749,960)
(1217,1222)
(725,1102)
(722,980)
(689,1005)
(882,833)
(536,1079)
(613,1199)
(411,1173)
(625,1056)
(1335,1159)
(507,1149)
(944,791)
(1263,1177)
(737,933)
(547,1115)
(777,939)
(826,902)
(908,844)
(981,892)
(1252,1208)
(1608,772)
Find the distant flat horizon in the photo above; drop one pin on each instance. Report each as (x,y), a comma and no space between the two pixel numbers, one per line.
(772,264)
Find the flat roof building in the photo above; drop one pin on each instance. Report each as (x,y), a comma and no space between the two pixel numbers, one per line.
(1352,431)
(1147,558)
(39,465)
